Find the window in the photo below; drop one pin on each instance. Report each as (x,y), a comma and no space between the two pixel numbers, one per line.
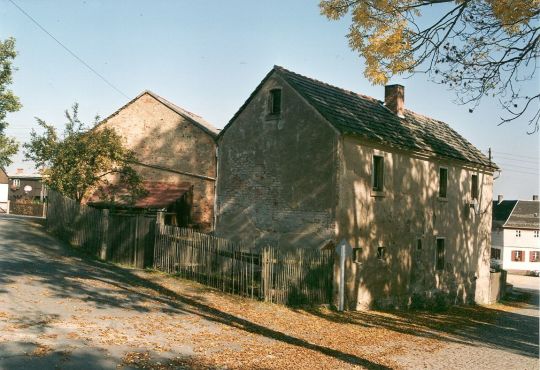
(16,182)
(443,182)
(419,244)
(534,256)
(378,173)
(518,233)
(381,253)
(357,254)
(275,101)
(517,256)
(474,187)
(536,233)
(440,254)
(495,253)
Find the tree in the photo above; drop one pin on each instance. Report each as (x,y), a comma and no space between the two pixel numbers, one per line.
(8,101)
(476,47)
(83,160)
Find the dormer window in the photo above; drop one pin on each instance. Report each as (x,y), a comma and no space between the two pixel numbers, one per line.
(275,101)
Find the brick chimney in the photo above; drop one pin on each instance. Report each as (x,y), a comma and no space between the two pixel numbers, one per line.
(394,99)
(19,171)
(535,197)
(499,198)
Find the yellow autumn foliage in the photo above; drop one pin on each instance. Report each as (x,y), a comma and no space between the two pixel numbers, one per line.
(381,31)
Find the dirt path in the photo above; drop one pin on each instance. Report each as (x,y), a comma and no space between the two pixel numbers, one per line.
(60,309)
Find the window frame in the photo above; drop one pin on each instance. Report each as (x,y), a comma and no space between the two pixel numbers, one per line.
(381,253)
(498,252)
(517,252)
(272,102)
(439,191)
(377,177)
(357,255)
(536,234)
(518,233)
(440,263)
(534,253)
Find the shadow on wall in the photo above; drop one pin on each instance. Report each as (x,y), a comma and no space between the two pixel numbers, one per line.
(398,233)
(277,180)
(184,151)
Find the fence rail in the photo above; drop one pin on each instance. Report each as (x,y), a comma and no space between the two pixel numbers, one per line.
(299,277)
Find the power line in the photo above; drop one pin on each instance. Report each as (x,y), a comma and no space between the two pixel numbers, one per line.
(68,50)
(522,172)
(504,158)
(516,155)
(511,165)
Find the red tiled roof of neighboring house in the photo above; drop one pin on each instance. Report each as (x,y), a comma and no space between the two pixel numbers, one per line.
(159,195)
(354,114)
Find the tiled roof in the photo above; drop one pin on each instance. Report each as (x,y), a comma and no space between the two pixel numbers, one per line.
(525,215)
(192,117)
(361,115)
(159,195)
(501,211)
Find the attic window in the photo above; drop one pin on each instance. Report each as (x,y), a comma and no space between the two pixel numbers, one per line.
(275,101)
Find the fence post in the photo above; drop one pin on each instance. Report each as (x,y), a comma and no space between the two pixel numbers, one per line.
(7,210)
(158,242)
(105,233)
(160,218)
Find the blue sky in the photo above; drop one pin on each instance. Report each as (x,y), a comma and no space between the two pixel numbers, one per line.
(207,56)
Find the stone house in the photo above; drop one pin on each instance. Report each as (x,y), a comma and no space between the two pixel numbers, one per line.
(515,235)
(304,164)
(176,154)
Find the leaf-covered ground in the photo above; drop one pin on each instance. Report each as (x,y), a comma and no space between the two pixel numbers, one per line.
(60,309)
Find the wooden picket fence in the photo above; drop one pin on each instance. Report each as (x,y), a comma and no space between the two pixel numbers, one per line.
(300,277)
(126,239)
(138,240)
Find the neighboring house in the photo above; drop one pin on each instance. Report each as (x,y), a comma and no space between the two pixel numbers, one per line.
(173,146)
(4,186)
(28,186)
(515,236)
(304,164)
